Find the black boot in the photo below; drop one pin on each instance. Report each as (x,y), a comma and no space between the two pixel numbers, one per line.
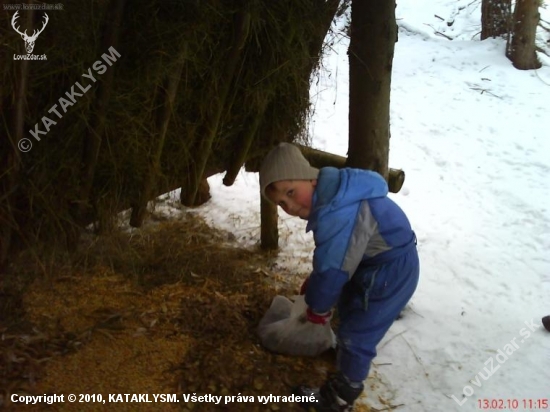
(336,395)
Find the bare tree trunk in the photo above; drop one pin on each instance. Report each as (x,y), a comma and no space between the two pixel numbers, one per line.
(496,17)
(521,50)
(372,42)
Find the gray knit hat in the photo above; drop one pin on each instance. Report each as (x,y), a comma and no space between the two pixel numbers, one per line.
(285,162)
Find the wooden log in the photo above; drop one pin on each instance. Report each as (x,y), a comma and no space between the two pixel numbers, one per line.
(318,158)
(396,178)
(373,32)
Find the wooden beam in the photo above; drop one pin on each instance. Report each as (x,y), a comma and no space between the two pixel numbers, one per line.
(318,158)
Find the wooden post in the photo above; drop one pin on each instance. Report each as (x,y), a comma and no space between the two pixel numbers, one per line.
(373,32)
(269,225)
(522,48)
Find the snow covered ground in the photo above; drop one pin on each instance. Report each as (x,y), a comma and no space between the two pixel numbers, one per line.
(473,136)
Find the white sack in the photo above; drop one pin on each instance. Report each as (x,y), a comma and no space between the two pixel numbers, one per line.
(284,329)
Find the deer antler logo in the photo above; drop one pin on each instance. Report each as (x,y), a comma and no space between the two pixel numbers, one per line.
(29,40)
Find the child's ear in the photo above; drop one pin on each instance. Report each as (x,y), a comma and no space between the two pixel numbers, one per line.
(314,182)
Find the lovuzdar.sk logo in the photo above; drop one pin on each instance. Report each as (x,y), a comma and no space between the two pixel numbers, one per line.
(29,40)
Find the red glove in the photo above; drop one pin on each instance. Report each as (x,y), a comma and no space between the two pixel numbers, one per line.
(319,319)
(304,286)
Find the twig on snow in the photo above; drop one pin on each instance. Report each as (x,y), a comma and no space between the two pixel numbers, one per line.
(392,338)
(438,32)
(537,74)
(485,91)
(419,362)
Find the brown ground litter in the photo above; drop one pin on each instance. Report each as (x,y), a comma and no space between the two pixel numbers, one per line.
(170,309)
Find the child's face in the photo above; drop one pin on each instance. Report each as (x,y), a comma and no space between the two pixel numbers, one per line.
(294,196)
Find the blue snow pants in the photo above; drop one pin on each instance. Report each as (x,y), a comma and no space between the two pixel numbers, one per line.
(367,307)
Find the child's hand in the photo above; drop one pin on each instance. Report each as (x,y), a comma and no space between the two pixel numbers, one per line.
(318,318)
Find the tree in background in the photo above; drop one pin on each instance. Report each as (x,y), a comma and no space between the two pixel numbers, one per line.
(373,33)
(495,18)
(521,48)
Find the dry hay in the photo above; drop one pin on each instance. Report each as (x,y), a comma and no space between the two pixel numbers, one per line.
(233,102)
(171,309)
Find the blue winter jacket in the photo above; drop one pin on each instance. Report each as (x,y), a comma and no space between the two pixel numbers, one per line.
(354,223)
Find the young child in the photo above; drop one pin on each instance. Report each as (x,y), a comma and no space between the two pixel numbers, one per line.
(365,260)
